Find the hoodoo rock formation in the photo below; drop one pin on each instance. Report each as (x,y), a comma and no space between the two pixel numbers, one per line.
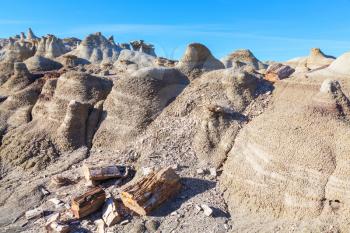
(97,49)
(198,58)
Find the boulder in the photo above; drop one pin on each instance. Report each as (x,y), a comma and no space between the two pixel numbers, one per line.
(50,47)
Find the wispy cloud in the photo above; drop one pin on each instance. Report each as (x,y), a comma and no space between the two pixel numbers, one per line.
(13,22)
(213,30)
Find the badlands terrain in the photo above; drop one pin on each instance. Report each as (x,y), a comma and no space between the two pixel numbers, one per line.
(258,146)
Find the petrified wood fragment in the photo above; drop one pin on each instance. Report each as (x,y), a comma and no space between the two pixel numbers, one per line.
(151,191)
(88,203)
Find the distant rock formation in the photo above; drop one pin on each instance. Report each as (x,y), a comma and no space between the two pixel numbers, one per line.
(141,46)
(317,59)
(243,57)
(97,49)
(50,47)
(133,60)
(31,36)
(198,58)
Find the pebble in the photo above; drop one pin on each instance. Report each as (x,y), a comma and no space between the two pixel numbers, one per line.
(198,208)
(125,222)
(138,228)
(213,171)
(147,170)
(207,210)
(152,226)
(200,171)
(34,213)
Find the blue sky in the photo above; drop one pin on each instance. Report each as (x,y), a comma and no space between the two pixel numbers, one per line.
(272,29)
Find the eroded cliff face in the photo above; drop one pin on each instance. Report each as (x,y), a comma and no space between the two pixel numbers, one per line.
(262,154)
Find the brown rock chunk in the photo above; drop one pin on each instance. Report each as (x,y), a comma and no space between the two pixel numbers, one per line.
(151,191)
(278,71)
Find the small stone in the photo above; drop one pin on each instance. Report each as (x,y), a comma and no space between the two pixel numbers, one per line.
(152,226)
(147,170)
(173,213)
(100,226)
(198,208)
(34,213)
(213,171)
(44,191)
(175,166)
(125,222)
(200,171)
(207,210)
(58,203)
(57,227)
(138,228)
(52,218)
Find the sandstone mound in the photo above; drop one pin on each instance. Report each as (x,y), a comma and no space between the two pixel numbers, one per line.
(291,161)
(60,121)
(198,128)
(50,47)
(97,49)
(135,101)
(316,60)
(243,57)
(198,58)
(133,60)
(40,63)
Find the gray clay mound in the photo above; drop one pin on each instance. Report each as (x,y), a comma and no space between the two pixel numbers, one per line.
(60,121)
(199,126)
(290,162)
(241,58)
(96,49)
(198,58)
(134,102)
